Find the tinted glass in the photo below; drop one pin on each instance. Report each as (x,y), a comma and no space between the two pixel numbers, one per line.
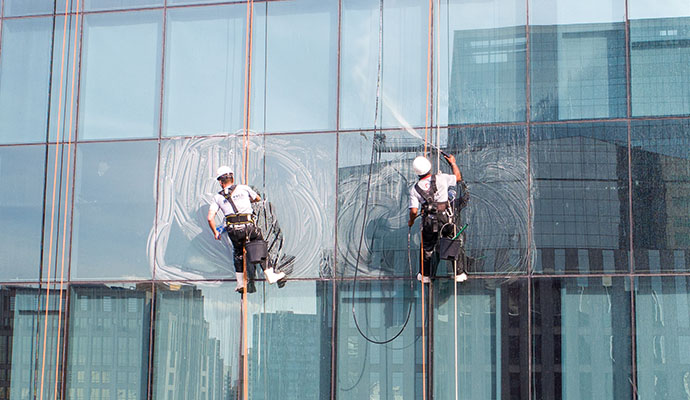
(581,211)
(90,5)
(662,316)
(197,339)
(24,78)
(300,91)
(36,7)
(204,94)
(120,75)
(660,72)
(109,341)
(289,341)
(371,370)
(403,85)
(114,210)
(581,338)
(491,323)
(63,89)
(577,59)
(661,200)
(21,211)
(185,246)
(482,61)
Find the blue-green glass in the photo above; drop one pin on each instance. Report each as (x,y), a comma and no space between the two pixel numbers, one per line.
(662,320)
(34,350)
(120,75)
(402,95)
(577,54)
(24,79)
(482,62)
(581,338)
(205,93)
(368,370)
(493,163)
(14,8)
(109,333)
(93,5)
(661,195)
(300,193)
(289,340)
(580,186)
(197,341)
(482,326)
(21,211)
(185,246)
(63,89)
(302,64)
(114,210)
(659,57)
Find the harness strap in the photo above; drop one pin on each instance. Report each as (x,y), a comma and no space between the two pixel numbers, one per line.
(427,195)
(228,197)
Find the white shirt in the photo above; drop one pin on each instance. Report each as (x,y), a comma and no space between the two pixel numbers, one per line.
(443,182)
(242,196)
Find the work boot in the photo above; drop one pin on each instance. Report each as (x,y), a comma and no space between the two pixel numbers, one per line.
(240,282)
(273,277)
(462,277)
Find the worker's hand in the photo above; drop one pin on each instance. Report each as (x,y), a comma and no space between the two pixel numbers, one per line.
(450,158)
(216,234)
(410,223)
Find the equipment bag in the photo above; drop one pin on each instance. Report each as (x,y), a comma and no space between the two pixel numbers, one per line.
(257,251)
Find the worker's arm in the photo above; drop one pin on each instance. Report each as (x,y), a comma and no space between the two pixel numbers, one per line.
(413,216)
(256,199)
(212,223)
(456,171)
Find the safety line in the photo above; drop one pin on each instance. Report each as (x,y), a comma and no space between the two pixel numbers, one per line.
(428,76)
(52,210)
(67,191)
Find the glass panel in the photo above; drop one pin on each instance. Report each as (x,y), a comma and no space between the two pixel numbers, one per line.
(204,94)
(482,61)
(31,345)
(662,314)
(493,162)
(114,210)
(109,341)
(90,5)
(21,211)
(15,8)
(661,195)
(24,79)
(197,338)
(185,246)
(367,370)
(120,75)
(660,57)
(62,87)
(403,67)
(490,320)
(289,341)
(581,211)
(577,59)
(300,93)
(581,338)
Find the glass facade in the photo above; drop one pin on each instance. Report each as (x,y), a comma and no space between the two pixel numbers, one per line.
(570,121)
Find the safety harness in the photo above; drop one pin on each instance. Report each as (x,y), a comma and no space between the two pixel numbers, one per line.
(235,218)
(430,208)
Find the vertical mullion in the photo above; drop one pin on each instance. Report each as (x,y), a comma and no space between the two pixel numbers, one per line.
(333,278)
(528,126)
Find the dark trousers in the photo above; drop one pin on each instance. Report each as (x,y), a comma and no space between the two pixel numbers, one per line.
(239,236)
(431,229)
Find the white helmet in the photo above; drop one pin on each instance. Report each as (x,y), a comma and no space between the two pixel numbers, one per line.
(224,170)
(421,165)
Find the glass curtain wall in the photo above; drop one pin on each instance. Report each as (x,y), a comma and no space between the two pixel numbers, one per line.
(570,123)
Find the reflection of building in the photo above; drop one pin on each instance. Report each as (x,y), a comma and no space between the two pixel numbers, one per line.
(6,318)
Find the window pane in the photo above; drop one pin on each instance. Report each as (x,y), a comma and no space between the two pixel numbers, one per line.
(114,210)
(302,68)
(662,310)
(289,341)
(581,338)
(33,7)
(24,77)
(120,75)
(185,246)
(366,370)
(62,89)
(492,339)
(197,341)
(21,211)
(661,195)
(578,59)
(580,175)
(483,75)
(403,68)
(204,94)
(660,57)
(109,336)
(90,5)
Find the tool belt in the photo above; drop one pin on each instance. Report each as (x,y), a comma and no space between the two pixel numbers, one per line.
(238,219)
